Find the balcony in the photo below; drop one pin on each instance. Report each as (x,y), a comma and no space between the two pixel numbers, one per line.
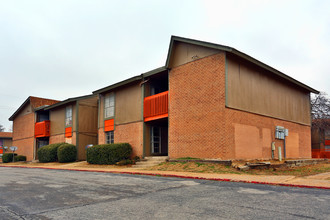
(156,106)
(68,132)
(42,129)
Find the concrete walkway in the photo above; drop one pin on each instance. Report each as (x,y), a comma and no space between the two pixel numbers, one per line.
(315,181)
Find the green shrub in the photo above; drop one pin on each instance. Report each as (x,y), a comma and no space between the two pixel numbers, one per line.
(20,158)
(48,153)
(67,153)
(108,153)
(8,157)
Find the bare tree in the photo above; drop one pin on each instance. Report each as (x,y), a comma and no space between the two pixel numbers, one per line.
(321,111)
(2,128)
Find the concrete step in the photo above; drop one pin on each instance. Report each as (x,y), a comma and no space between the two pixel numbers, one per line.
(157,158)
(150,161)
(142,166)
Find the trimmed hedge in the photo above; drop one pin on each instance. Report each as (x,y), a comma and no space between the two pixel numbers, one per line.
(67,153)
(48,153)
(108,153)
(8,157)
(20,158)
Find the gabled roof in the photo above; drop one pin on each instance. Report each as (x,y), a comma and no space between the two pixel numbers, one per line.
(130,80)
(8,135)
(237,53)
(119,84)
(67,101)
(35,103)
(154,71)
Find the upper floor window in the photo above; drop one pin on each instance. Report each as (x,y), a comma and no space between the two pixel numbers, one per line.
(68,116)
(109,105)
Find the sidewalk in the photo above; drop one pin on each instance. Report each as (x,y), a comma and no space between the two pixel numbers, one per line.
(321,181)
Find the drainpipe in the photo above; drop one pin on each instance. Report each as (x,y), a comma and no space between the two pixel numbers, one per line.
(143,124)
(284,149)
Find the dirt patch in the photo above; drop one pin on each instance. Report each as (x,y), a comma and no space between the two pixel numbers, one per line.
(194,167)
(217,168)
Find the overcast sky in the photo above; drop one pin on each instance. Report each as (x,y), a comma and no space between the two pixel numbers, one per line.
(65,48)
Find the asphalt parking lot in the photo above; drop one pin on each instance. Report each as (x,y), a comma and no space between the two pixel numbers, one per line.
(57,194)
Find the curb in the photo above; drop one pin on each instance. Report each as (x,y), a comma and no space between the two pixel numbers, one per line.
(177,176)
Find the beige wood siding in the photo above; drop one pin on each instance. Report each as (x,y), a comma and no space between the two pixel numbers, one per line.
(128,104)
(183,53)
(87,125)
(57,121)
(258,91)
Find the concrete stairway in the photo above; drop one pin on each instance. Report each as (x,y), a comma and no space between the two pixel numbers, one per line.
(150,161)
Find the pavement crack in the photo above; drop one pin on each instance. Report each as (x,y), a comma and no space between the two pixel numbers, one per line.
(9,212)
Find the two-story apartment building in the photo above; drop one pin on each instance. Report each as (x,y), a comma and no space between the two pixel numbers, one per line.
(208,101)
(24,120)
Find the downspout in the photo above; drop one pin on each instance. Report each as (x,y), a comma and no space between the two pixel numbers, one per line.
(34,137)
(226,80)
(98,117)
(77,126)
(284,149)
(143,124)
(168,113)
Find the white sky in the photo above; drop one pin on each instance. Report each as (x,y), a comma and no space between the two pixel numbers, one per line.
(65,48)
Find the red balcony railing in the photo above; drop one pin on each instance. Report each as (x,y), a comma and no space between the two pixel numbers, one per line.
(68,132)
(42,129)
(156,106)
(320,153)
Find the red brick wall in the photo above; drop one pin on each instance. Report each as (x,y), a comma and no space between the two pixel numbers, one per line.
(130,133)
(23,135)
(101,136)
(265,127)
(53,139)
(127,133)
(196,97)
(201,126)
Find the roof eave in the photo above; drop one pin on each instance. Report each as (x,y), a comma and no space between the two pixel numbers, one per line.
(154,71)
(119,84)
(67,101)
(11,118)
(195,42)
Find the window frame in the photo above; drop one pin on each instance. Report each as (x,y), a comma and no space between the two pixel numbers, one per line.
(109,103)
(70,117)
(109,137)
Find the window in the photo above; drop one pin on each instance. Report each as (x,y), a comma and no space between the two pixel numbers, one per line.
(68,116)
(109,137)
(109,105)
(42,142)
